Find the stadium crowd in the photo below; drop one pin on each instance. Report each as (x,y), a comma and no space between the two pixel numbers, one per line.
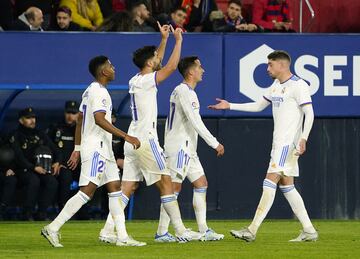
(141,16)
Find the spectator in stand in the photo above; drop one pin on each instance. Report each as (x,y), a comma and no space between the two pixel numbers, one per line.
(46,7)
(37,163)
(178,18)
(7,178)
(273,15)
(30,20)
(120,21)
(233,20)
(85,13)
(64,21)
(142,20)
(198,12)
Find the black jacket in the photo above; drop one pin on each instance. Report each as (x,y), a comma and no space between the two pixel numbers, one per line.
(25,141)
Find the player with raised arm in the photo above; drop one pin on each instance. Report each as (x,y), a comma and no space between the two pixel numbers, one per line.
(149,162)
(291,100)
(182,128)
(93,138)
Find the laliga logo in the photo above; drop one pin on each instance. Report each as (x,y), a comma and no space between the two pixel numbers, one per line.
(251,61)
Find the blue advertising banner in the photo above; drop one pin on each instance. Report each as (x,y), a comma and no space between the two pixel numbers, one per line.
(235,66)
(329,63)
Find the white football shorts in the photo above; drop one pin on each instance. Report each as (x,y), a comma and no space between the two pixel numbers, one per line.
(98,170)
(184,166)
(148,162)
(284,161)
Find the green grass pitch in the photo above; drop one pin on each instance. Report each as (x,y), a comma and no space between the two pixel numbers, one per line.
(338,239)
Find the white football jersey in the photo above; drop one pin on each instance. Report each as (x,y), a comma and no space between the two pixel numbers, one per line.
(143,105)
(96,98)
(184,123)
(287,99)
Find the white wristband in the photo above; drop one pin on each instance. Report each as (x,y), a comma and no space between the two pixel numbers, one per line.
(77,148)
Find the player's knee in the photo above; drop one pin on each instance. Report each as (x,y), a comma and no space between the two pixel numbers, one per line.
(128,188)
(88,192)
(200,183)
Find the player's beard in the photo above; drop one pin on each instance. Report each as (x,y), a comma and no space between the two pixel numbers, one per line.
(272,76)
(158,67)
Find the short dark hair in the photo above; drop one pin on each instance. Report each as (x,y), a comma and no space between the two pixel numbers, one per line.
(237,2)
(64,9)
(178,8)
(279,54)
(95,63)
(137,4)
(140,56)
(185,64)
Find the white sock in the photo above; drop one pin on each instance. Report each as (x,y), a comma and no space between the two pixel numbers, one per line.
(71,207)
(297,206)
(164,220)
(172,209)
(199,204)
(117,213)
(266,201)
(110,224)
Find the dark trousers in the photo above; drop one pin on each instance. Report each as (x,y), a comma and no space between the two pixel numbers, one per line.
(38,188)
(8,188)
(65,179)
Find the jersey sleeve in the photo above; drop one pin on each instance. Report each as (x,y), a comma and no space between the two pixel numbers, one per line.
(100,101)
(81,109)
(267,94)
(302,94)
(190,109)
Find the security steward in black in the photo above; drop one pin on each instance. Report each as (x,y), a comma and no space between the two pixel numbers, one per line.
(38,162)
(63,135)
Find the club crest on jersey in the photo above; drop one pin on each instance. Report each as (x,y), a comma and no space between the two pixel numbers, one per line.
(276,101)
(194,105)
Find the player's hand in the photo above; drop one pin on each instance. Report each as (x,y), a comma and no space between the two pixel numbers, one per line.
(74,160)
(221,105)
(133,141)
(177,33)
(39,170)
(164,30)
(220,150)
(56,168)
(302,147)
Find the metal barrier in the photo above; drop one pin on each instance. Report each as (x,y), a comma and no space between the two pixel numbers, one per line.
(312,13)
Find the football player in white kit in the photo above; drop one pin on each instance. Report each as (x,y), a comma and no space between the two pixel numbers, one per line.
(182,128)
(291,100)
(93,141)
(148,162)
